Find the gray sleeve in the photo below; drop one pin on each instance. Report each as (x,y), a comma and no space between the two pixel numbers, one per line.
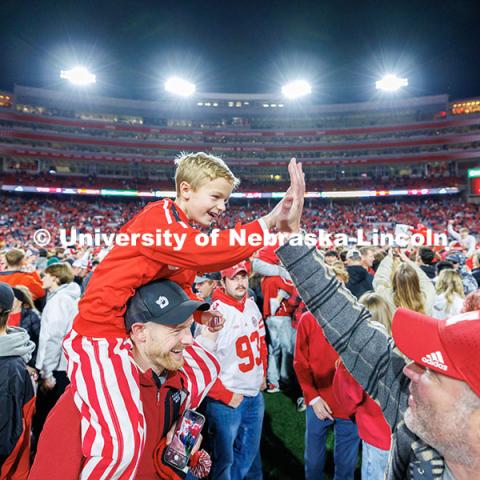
(367,352)
(269,270)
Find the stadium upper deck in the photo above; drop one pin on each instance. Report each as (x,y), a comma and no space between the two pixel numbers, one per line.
(75,134)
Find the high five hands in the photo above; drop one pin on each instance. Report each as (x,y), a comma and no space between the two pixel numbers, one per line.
(287,214)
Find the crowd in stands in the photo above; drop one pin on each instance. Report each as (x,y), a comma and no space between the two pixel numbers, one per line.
(250,182)
(53,213)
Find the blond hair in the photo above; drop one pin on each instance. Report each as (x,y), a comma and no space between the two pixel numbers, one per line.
(199,168)
(14,257)
(449,283)
(340,272)
(379,308)
(406,289)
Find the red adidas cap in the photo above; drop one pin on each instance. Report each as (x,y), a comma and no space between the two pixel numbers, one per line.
(232,271)
(451,347)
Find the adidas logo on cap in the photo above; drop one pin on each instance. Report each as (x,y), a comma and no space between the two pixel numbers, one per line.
(436,360)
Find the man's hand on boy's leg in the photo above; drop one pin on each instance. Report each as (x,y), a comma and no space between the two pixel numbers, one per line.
(287,214)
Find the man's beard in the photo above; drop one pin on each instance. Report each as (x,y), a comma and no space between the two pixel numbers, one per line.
(172,365)
(446,433)
(168,361)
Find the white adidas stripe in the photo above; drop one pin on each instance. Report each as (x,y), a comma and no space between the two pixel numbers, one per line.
(435,359)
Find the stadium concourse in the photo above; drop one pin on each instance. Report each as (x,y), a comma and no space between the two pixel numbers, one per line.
(67,163)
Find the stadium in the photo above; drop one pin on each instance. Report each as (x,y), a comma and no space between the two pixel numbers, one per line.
(75,147)
(239,286)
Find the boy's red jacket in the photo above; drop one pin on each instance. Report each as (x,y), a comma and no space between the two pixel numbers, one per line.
(125,269)
(372,426)
(314,363)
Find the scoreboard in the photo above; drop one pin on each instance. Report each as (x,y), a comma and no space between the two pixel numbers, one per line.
(474,177)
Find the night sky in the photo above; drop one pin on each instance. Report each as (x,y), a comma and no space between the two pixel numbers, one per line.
(340,46)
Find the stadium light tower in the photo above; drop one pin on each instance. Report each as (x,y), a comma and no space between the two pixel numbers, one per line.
(391,83)
(296,89)
(180,86)
(79,76)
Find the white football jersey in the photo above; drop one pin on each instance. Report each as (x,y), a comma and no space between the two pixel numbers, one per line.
(238,347)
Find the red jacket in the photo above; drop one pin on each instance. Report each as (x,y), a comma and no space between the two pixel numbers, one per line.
(125,269)
(314,363)
(31,280)
(17,464)
(372,426)
(59,453)
(270,289)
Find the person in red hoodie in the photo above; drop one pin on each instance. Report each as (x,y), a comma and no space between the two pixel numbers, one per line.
(314,363)
(166,386)
(373,429)
(98,365)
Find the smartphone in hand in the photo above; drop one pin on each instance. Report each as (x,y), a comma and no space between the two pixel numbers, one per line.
(186,434)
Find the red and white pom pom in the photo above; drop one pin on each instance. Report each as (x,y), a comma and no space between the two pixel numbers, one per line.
(200,464)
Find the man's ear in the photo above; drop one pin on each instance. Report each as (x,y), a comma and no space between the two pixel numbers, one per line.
(138,332)
(185,190)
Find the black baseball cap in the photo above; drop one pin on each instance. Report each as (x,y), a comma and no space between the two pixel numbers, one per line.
(6,297)
(161,301)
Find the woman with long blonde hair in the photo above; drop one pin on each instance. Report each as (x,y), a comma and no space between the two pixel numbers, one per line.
(406,289)
(450,295)
(402,283)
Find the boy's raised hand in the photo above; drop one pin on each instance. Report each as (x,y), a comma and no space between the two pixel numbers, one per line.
(287,214)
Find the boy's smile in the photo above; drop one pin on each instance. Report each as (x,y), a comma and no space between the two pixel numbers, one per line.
(206,204)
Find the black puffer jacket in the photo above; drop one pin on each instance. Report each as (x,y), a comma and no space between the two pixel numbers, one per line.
(30,321)
(359,280)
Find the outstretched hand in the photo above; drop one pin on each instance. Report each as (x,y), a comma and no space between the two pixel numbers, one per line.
(213,319)
(287,214)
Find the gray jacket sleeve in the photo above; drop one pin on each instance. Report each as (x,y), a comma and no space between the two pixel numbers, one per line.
(367,352)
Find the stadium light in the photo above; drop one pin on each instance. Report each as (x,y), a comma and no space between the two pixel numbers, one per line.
(391,83)
(180,86)
(296,89)
(79,76)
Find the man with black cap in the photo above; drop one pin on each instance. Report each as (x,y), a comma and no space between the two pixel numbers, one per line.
(205,284)
(16,391)
(431,404)
(359,280)
(175,374)
(457,258)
